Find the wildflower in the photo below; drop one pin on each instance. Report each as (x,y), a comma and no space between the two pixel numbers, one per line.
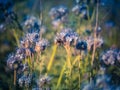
(43,81)
(32,24)
(90,42)
(54,14)
(20,54)
(22,68)
(58,15)
(29,39)
(80,10)
(118,56)
(41,45)
(81,45)
(58,12)
(101,82)
(11,61)
(56,23)
(66,36)
(25,80)
(2,27)
(109,57)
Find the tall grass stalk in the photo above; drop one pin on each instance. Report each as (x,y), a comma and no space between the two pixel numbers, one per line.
(14,78)
(61,75)
(95,36)
(52,58)
(16,38)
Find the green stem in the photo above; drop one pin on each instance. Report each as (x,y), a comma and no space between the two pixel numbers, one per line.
(52,58)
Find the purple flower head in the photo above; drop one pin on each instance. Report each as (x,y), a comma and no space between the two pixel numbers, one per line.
(20,54)
(109,57)
(118,56)
(66,36)
(58,12)
(25,80)
(44,80)
(41,45)
(81,45)
(80,10)
(90,42)
(32,24)
(12,62)
(29,39)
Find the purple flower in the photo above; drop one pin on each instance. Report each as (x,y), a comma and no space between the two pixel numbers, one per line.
(41,45)
(25,80)
(66,36)
(44,80)
(81,45)
(32,24)
(90,42)
(118,56)
(109,57)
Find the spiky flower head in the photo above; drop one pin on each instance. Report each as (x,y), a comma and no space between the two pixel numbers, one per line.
(118,56)
(58,12)
(109,57)
(25,80)
(80,10)
(90,42)
(29,39)
(66,36)
(41,45)
(44,81)
(32,24)
(81,45)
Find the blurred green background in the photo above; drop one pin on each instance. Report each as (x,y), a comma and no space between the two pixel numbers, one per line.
(109,19)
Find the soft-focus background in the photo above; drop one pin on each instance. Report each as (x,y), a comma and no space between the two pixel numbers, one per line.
(109,21)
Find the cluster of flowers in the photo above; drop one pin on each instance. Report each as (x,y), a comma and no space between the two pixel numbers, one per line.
(58,15)
(32,24)
(30,44)
(90,42)
(101,82)
(110,57)
(70,38)
(25,80)
(43,83)
(66,37)
(80,9)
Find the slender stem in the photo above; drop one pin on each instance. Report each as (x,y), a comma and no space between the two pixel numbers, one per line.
(14,77)
(61,74)
(52,58)
(68,50)
(95,36)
